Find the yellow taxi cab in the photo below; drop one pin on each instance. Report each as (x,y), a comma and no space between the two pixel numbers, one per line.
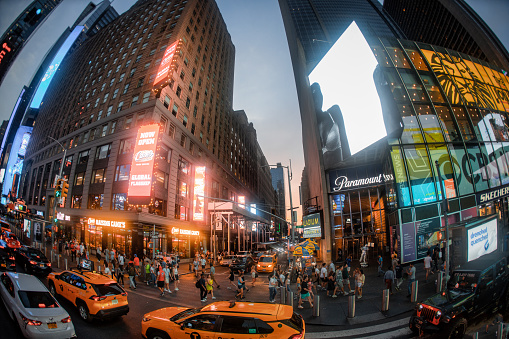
(225,320)
(267,263)
(95,295)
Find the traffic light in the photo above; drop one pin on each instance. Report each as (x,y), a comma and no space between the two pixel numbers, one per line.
(65,188)
(58,188)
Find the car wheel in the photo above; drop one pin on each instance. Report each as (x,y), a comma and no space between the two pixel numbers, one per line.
(457,329)
(156,334)
(83,311)
(52,289)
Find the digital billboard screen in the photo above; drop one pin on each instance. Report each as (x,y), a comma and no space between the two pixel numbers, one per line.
(142,165)
(164,67)
(482,240)
(55,63)
(199,192)
(345,76)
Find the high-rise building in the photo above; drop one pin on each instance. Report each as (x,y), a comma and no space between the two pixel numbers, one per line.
(451,24)
(144,112)
(442,119)
(278,184)
(15,37)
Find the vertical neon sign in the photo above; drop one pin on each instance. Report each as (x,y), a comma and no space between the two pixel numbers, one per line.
(164,67)
(199,191)
(142,166)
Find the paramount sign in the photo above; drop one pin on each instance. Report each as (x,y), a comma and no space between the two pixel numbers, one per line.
(342,182)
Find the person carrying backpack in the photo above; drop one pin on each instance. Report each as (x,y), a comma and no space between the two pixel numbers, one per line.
(132,272)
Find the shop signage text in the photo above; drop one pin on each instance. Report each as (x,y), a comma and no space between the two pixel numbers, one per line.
(342,181)
(482,240)
(142,166)
(312,226)
(164,67)
(176,230)
(495,194)
(108,223)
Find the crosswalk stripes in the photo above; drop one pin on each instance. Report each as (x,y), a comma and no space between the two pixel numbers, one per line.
(394,329)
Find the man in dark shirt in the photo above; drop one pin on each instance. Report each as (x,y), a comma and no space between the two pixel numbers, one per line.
(203,288)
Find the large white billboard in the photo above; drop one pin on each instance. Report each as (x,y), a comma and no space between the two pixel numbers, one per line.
(482,240)
(345,76)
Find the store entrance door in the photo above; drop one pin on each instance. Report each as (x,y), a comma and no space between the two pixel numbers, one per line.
(352,247)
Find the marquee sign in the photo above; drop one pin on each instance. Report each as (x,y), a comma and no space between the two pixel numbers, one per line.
(176,230)
(107,223)
(343,183)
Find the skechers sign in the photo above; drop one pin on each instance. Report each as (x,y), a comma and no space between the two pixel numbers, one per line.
(142,166)
(482,239)
(312,226)
(483,198)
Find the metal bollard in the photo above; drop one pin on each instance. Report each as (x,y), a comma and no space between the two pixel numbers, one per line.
(283,295)
(440,281)
(65,261)
(351,306)
(52,258)
(385,300)
(500,331)
(289,298)
(316,306)
(58,260)
(415,289)
(99,269)
(46,251)
(476,335)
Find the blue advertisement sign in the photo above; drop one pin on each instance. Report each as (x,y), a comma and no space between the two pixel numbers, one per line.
(338,203)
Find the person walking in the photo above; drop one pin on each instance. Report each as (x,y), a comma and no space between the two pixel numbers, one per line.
(136,264)
(176,277)
(167,272)
(411,278)
(120,275)
(196,263)
(106,255)
(203,263)
(98,253)
(73,251)
(346,280)
(253,275)
(147,272)
(132,272)
(380,261)
(304,293)
(231,277)
(348,263)
(210,286)
(272,288)
(323,276)
(389,279)
(339,282)
(427,265)
(356,274)
(240,285)
(331,283)
(152,275)
(107,270)
(395,263)
(112,254)
(121,260)
(435,258)
(213,274)
(201,284)
(160,280)
(360,284)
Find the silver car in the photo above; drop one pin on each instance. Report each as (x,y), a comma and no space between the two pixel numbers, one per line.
(226,260)
(32,306)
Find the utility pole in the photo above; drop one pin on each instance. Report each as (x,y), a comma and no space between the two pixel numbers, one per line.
(443,209)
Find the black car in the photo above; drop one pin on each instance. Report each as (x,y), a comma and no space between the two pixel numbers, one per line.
(480,287)
(242,263)
(33,261)
(7,262)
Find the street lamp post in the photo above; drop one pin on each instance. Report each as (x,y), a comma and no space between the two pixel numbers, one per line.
(55,198)
(443,208)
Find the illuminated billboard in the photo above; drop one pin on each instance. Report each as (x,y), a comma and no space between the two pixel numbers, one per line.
(164,67)
(15,161)
(142,165)
(199,192)
(53,67)
(345,78)
(312,226)
(482,240)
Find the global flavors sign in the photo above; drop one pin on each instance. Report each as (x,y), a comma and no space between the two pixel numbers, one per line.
(343,183)
(142,165)
(199,191)
(482,240)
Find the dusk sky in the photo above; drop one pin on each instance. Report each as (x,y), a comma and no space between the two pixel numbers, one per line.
(264,84)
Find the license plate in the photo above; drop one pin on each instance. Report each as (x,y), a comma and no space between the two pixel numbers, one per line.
(52,325)
(263,269)
(114,301)
(42,265)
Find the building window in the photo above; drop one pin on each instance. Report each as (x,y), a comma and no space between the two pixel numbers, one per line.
(99,176)
(126,88)
(183,140)
(95,201)
(83,157)
(139,118)
(175,109)
(171,132)
(146,96)
(193,128)
(119,107)
(110,108)
(104,131)
(140,82)
(161,178)
(184,165)
(181,212)
(113,126)
(166,101)
(184,120)
(158,207)
(134,101)
(128,122)
(188,102)
(76,201)
(103,152)
(126,146)
(122,172)
(178,91)
(115,93)
(119,202)
(79,179)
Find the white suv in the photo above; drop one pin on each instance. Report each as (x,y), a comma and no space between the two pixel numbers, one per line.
(32,306)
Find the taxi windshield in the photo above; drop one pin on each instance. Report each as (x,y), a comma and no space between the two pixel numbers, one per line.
(266,259)
(185,313)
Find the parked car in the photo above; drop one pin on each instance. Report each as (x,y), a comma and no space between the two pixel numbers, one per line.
(224,319)
(7,262)
(226,260)
(33,260)
(95,295)
(480,287)
(242,263)
(31,305)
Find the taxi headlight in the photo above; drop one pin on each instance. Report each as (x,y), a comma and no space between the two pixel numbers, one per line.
(270,265)
(145,319)
(259,265)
